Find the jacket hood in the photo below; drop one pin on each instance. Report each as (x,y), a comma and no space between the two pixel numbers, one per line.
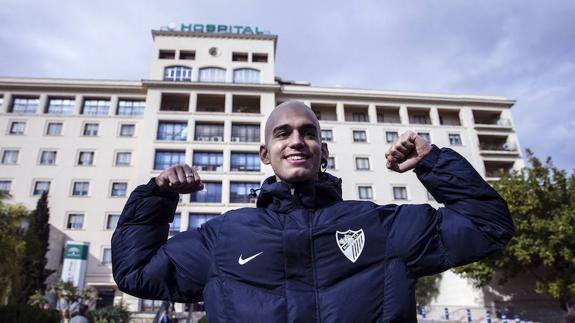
(283,196)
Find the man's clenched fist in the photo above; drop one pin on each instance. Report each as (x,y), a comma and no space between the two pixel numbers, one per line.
(406,152)
(181,179)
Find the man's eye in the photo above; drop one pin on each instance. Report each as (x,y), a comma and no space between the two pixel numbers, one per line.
(281,134)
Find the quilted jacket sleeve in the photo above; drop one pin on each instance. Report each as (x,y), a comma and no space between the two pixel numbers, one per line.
(474,223)
(148,265)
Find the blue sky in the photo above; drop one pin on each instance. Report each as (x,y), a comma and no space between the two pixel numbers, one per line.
(521,49)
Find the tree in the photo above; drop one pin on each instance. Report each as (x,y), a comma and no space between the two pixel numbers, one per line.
(426,289)
(37,238)
(541,199)
(12,249)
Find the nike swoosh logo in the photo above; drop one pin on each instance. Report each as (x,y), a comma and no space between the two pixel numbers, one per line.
(245,261)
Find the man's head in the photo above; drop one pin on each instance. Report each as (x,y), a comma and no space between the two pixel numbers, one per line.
(293,144)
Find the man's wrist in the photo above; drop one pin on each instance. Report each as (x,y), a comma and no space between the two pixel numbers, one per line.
(428,161)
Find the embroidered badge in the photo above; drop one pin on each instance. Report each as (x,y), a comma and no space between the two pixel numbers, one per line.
(350,243)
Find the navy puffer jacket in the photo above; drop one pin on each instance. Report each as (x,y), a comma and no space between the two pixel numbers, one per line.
(304,254)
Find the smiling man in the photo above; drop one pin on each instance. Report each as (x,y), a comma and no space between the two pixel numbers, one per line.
(304,254)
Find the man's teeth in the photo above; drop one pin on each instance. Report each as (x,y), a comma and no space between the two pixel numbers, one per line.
(296,157)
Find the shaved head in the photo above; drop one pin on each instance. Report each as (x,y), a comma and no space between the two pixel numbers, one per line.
(290,106)
(293,144)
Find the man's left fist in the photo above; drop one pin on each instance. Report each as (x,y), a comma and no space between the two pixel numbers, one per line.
(406,152)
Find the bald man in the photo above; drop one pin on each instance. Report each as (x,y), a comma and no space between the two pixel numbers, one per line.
(304,254)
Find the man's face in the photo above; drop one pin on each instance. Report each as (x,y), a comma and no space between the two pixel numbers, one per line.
(293,144)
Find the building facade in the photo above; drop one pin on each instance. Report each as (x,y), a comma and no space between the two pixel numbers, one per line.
(89,143)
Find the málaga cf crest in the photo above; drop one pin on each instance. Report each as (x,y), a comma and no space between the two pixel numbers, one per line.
(350,243)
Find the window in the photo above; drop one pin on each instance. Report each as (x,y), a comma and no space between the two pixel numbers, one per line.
(259,57)
(41,187)
(245,162)
(391,136)
(25,105)
(212,193)
(123,158)
(212,74)
(112,221)
(10,157)
(425,136)
(90,130)
(175,102)
(172,130)
(61,106)
(246,75)
(365,192)
(245,132)
(54,129)
(131,107)
(419,118)
(178,74)
(239,57)
(359,136)
(48,157)
(327,135)
(167,158)
(5,186)
(75,221)
(330,163)
(189,55)
(80,188)
(208,160)
(175,225)
(86,158)
(210,103)
(359,117)
(17,128)
(209,132)
(455,139)
(119,189)
(240,192)
(362,163)
(96,107)
(399,193)
(127,130)
(195,220)
(167,54)
(106,256)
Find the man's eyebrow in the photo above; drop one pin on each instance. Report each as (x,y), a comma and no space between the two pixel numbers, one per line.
(287,126)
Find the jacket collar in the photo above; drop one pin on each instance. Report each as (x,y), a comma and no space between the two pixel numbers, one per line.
(284,197)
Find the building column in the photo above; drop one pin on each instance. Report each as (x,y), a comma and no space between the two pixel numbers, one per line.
(340,112)
(42,104)
(229,104)
(434,116)
(7,100)
(403,115)
(192,105)
(372,113)
(114,101)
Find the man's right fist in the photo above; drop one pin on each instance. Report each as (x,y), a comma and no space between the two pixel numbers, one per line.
(181,179)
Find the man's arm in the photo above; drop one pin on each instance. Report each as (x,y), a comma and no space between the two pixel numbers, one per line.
(145,264)
(474,223)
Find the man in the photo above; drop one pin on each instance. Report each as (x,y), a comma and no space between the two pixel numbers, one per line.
(304,254)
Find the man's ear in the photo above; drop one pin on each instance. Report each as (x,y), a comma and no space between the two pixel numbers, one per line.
(324,151)
(264,154)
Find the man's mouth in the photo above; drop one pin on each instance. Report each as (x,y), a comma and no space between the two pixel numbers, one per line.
(296,157)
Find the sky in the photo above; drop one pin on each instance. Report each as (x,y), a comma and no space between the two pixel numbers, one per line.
(520,49)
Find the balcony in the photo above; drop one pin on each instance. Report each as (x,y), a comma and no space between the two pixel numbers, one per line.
(491,120)
(175,102)
(325,111)
(449,117)
(211,103)
(497,145)
(388,114)
(246,104)
(418,116)
(494,169)
(356,113)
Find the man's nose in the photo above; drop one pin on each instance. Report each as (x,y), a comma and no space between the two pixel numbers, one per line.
(296,139)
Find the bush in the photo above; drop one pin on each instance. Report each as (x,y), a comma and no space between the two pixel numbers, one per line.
(22,313)
(116,314)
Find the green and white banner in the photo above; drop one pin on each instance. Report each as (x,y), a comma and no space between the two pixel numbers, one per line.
(75,262)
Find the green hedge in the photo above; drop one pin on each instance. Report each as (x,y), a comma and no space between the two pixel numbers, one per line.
(22,313)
